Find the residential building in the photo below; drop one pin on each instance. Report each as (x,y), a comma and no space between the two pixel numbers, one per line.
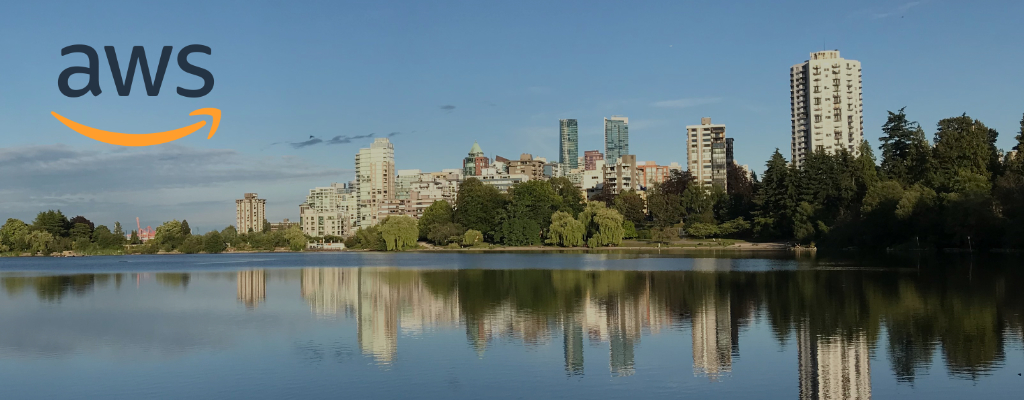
(719,167)
(827,105)
(250,213)
(422,194)
(329,211)
(502,181)
(375,180)
(568,144)
(701,139)
(527,165)
(590,158)
(616,138)
(474,164)
(623,175)
(282,226)
(652,173)
(404,180)
(590,179)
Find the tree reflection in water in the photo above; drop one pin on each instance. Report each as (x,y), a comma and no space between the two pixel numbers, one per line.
(836,317)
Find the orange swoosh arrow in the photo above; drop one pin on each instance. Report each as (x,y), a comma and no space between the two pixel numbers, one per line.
(144,139)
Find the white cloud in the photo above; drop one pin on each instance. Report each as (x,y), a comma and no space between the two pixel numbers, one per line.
(155,183)
(687,103)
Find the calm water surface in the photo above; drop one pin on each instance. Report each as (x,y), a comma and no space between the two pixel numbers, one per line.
(510,326)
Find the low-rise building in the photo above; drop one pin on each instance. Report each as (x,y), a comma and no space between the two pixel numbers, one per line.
(283,225)
(623,175)
(651,173)
(527,165)
(502,181)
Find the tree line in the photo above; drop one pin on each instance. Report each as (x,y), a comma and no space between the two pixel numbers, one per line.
(52,232)
(532,213)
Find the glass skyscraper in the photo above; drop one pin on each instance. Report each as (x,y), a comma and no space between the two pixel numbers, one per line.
(616,138)
(568,147)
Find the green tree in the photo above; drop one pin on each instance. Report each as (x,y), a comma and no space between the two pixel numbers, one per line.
(518,232)
(702,229)
(535,201)
(81,220)
(367,238)
(80,231)
(53,222)
(105,239)
(628,230)
(118,230)
(213,242)
(603,225)
(665,208)
(962,145)
(566,231)
(440,212)
(476,205)
(665,234)
(295,240)
(191,244)
(631,206)
(444,233)
(699,202)
(472,238)
(906,154)
(14,235)
(399,233)
(572,200)
(677,182)
(230,235)
(776,199)
(186,231)
(135,238)
(168,236)
(39,241)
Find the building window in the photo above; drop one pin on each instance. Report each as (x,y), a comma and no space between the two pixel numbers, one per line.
(817,117)
(817,101)
(817,89)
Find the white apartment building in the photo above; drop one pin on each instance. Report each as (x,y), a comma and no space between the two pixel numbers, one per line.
(701,143)
(827,105)
(250,213)
(502,181)
(375,180)
(329,211)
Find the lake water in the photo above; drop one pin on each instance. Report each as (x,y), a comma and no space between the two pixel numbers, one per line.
(510,326)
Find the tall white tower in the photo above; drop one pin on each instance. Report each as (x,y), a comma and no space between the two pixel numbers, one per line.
(827,105)
(375,180)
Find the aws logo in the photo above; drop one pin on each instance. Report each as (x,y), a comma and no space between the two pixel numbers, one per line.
(123,84)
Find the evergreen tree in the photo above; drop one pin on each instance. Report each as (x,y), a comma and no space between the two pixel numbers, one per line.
(186,231)
(905,151)
(775,200)
(52,222)
(962,145)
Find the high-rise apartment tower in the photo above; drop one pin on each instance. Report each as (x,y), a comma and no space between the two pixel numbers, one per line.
(827,106)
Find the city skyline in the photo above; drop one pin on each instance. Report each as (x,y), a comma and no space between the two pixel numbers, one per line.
(277,134)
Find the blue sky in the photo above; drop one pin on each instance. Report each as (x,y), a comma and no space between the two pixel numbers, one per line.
(444,74)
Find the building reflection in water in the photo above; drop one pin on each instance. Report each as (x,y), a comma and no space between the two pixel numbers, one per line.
(836,367)
(712,336)
(252,288)
(381,300)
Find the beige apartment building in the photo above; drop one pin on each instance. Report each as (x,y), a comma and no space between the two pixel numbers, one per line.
(827,105)
(375,180)
(250,213)
(529,166)
(623,175)
(706,155)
